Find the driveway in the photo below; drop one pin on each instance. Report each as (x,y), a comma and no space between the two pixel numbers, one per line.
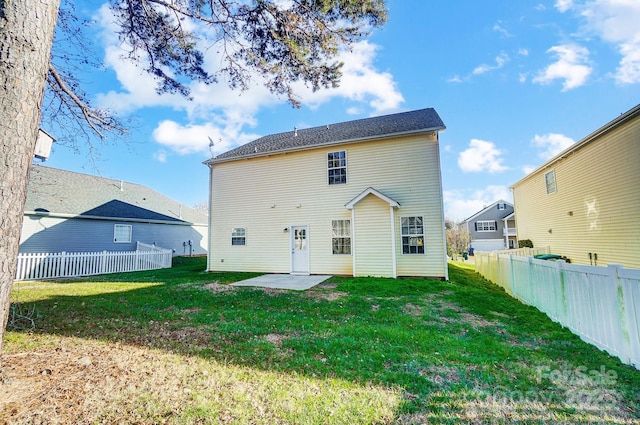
(284,281)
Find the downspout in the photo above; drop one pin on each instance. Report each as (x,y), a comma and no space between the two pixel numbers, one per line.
(394,265)
(444,230)
(353,240)
(210,229)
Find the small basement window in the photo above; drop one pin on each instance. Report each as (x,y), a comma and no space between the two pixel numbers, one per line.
(122,233)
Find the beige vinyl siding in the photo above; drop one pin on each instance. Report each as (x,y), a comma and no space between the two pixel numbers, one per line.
(373,242)
(267,194)
(597,205)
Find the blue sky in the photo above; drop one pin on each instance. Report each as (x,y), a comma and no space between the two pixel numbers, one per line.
(514,81)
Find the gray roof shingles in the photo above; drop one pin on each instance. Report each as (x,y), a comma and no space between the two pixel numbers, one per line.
(56,191)
(421,120)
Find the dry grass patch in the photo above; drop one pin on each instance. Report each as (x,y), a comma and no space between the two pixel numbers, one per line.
(275,339)
(216,287)
(85,382)
(413,310)
(325,295)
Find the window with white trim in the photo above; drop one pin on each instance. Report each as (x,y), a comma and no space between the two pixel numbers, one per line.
(412,229)
(550,181)
(502,206)
(337,167)
(486,225)
(122,233)
(238,236)
(341,237)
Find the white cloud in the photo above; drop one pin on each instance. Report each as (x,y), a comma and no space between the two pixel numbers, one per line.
(526,169)
(481,156)
(571,66)
(454,79)
(564,5)
(523,52)
(193,138)
(501,60)
(462,204)
(616,22)
(499,28)
(160,156)
(552,144)
(360,82)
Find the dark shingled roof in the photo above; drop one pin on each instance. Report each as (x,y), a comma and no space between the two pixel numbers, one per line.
(52,191)
(419,121)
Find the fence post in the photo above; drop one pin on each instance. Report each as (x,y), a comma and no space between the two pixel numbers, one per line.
(631,295)
(624,309)
(63,264)
(103,260)
(512,276)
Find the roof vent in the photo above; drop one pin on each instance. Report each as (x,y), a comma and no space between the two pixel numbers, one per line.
(121,186)
(255,149)
(295,132)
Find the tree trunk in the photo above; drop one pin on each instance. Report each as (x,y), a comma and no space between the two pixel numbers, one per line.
(26,36)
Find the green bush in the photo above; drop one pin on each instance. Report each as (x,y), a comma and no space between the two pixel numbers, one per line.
(525,243)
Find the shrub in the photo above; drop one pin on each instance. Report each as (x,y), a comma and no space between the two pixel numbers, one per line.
(525,243)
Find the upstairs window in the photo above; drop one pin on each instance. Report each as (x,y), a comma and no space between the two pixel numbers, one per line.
(239,236)
(341,237)
(502,206)
(486,225)
(337,167)
(550,181)
(412,235)
(122,233)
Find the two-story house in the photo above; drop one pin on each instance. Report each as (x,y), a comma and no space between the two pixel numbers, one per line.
(361,198)
(584,203)
(492,228)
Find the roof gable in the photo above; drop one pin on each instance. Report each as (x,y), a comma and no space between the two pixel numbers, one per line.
(371,191)
(489,208)
(413,122)
(116,208)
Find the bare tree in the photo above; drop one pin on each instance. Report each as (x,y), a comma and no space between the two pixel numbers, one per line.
(283,42)
(458,239)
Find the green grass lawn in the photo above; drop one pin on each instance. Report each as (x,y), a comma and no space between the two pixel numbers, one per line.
(181,346)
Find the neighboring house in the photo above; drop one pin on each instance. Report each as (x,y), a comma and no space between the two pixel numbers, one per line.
(73,212)
(361,198)
(492,228)
(584,203)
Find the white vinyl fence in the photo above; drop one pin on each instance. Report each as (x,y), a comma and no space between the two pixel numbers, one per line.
(599,304)
(72,264)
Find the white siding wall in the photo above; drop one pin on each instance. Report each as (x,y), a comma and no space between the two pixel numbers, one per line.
(267,194)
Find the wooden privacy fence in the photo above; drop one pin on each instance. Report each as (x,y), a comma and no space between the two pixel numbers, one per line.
(72,264)
(599,304)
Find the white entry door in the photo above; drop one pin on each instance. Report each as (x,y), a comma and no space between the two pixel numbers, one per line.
(299,249)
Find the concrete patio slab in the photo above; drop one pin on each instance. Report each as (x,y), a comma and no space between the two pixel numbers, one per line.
(284,281)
